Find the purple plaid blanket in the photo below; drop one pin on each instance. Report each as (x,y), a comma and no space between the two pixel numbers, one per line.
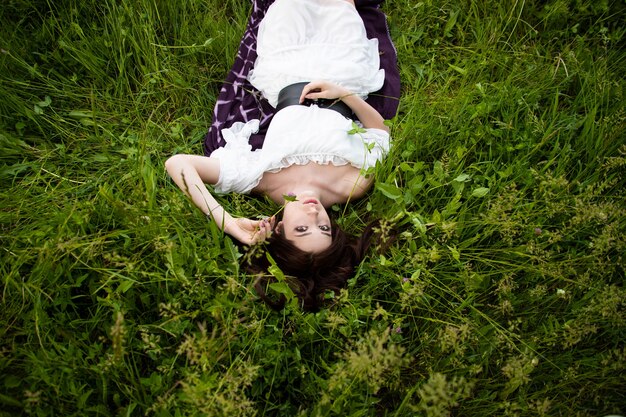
(239,101)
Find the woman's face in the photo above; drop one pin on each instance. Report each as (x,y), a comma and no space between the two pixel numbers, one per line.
(307,225)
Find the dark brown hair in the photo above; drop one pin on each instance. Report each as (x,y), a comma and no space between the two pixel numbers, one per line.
(311,275)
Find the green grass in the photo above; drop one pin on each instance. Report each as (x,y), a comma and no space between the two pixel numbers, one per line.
(502,295)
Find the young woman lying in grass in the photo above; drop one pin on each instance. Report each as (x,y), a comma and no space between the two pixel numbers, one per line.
(312,151)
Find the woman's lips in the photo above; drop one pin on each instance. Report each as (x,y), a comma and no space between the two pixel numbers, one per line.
(310,201)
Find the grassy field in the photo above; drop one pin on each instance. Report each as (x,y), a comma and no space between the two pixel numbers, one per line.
(503,294)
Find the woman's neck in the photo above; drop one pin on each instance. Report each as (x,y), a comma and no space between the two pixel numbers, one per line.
(311,180)
(300,190)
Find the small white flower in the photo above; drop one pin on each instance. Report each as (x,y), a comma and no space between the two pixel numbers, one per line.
(560,292)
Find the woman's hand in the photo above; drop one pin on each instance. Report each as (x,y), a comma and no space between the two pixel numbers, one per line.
(323,89)
(250,232)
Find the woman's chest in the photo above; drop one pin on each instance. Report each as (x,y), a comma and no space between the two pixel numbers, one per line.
(334,181)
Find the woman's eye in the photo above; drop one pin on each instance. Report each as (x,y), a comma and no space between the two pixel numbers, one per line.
(325,228)
(301,229)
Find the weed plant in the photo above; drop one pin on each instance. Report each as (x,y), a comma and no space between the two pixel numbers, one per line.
(503,293)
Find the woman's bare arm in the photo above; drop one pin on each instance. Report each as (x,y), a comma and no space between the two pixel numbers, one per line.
(190,173)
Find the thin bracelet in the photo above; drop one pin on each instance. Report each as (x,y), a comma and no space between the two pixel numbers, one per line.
(338,99)
(347,95)
(211,210)
(222,224)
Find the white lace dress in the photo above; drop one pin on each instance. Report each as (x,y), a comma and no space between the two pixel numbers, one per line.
(304,40)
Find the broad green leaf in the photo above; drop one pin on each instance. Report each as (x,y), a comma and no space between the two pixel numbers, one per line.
(125,285)
(290,198)
(404,167)
(480,192)
(456,254)
(462,178)
(389,190)
(458,187)
(356,129)
(282,288)
(45,103)
(419,224)
(382,259)
(274,269)
(436,217)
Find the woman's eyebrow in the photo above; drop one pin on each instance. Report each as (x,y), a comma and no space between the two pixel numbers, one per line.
(308,233)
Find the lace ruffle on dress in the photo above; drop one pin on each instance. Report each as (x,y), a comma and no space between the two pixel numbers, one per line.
(320,136)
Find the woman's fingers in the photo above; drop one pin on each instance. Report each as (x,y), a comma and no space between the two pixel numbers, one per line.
(322,89)
(267,228)
(304,93)
(262,231)
(308,90)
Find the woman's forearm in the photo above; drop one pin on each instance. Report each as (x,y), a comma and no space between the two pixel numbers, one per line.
(369,116)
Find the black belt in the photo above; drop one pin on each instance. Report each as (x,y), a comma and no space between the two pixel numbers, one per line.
(290,96)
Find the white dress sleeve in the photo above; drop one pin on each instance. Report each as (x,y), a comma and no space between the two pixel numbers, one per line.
(238,162)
